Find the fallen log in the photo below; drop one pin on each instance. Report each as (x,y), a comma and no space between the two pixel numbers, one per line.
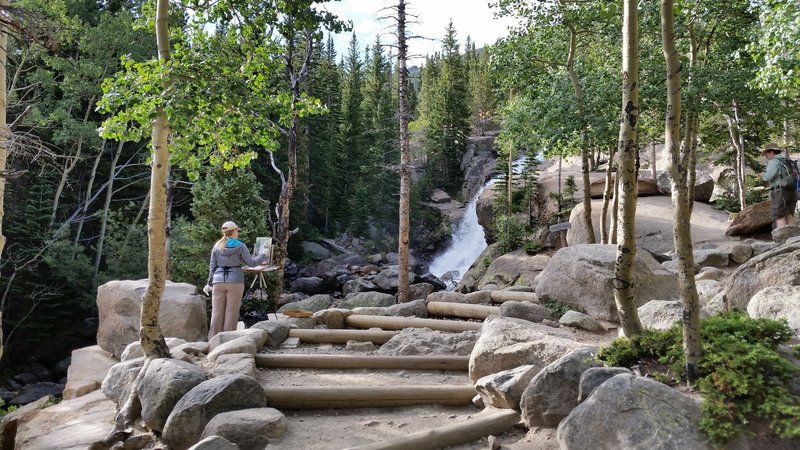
(455,434)
(305,361)
(342,336)
(463,310)
(399,323)
(323,397)
(514,296)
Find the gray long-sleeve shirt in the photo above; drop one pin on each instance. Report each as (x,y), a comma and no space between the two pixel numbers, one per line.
(226,264)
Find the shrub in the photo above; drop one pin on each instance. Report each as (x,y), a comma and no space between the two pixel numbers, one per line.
(742,377)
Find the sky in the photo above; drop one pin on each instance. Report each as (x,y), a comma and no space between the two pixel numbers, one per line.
(471,18)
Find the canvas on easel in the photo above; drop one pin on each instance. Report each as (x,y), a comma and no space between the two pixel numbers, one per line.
(264,245)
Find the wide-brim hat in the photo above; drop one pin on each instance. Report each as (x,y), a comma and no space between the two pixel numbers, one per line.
(771,148)
(229,226)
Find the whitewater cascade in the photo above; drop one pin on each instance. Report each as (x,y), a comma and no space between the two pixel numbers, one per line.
(467,243)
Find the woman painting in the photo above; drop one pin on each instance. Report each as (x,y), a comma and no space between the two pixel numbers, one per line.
(226,279)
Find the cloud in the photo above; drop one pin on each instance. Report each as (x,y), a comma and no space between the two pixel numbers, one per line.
(471,18)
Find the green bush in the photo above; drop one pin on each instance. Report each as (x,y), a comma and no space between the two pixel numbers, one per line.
(742,377)
(510,233)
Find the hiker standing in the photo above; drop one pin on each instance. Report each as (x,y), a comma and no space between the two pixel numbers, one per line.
(226,279)
(783,193)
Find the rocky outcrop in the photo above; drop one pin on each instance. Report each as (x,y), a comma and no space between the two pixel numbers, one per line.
(515,268)
(249,429)
(469,282)
(634,413)
(777,267)
(182,313)
(314,303)
(165,382)
(646,187)
(581,276)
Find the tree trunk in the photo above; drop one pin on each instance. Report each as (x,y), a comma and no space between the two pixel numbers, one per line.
(624,288)
(106,206)
(653,154)
(576,86)
(682,231)
(5,141)
(607,193)
(615,210)
(405,158)
(282,232)
(739,167)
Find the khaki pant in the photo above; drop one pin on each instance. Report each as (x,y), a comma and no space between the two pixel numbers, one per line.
(226,299)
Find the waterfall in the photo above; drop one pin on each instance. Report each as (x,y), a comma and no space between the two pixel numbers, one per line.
(468,239)
(467,243)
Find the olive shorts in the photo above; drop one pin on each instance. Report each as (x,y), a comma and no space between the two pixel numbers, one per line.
(784,202)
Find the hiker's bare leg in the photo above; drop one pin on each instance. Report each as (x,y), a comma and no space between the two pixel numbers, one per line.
(780,222)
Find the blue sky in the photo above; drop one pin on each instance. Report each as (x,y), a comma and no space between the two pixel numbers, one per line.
(471,18)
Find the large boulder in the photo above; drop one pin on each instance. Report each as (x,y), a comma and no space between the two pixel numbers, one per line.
(660,314)
(250,429)
(118,381)
(654,218)
(634,413)
(582,276)
(368,299)
(192,413)
(317,251)
(777,267)
(504,389)
(750,220)
(308,285)
(513,268)
(164,383)
(646,187)
(88,368)
(553,392)
(314,303)
(506,343)
(387,279)
(119,304)
(424,341)
(703,186)
(781,302)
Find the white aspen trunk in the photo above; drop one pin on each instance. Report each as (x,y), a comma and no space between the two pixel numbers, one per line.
(405,159)
(681,203)
(739,158)
(607,194)
(576,86)
(153,343)
(106,206)
(5,141)
(624,287)
(615,210)
(89,188)
(653,154)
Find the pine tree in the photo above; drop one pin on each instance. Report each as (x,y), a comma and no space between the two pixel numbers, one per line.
(447,115)
(351,135)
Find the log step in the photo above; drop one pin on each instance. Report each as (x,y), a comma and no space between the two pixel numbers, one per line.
(324,397)
(399,323)
(463,310)
(514,296)
(304,361)
(455,434)
(318,336)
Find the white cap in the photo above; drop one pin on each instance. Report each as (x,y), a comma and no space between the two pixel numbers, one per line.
(229,226)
